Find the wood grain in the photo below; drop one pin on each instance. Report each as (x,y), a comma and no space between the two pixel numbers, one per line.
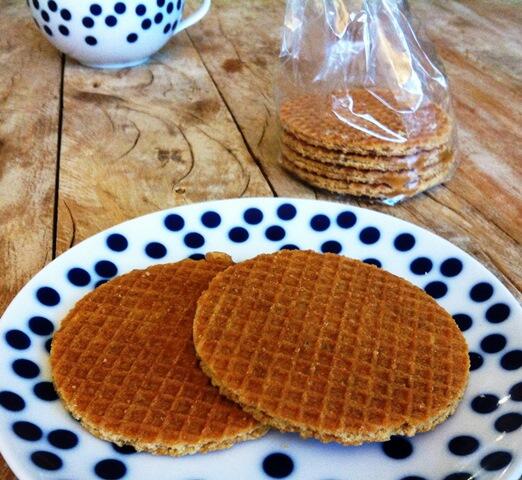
(30,72)
(143,139)
(479,209)
(198,123)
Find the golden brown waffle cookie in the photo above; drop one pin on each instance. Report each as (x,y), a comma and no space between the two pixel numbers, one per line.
(123,363)
(399,179)
(330,347)
(310,118)
(418,160)
(388,186)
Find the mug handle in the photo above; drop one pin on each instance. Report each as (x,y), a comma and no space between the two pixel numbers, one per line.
(194,17)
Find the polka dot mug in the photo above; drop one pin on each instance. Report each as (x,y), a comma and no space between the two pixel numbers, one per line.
(112,33)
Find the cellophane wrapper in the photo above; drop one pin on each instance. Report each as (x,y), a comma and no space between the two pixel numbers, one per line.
(363,100)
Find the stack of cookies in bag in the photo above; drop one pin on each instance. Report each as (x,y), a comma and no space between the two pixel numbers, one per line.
(370,146)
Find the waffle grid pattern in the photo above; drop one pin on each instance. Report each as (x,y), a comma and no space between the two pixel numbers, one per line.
(330,347)
(419,160)
(310,118)
(124,364)
(387,187)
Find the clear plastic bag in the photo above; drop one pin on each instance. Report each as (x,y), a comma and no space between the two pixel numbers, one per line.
(363,100)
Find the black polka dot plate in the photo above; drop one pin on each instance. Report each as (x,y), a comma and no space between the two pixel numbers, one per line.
(482,440)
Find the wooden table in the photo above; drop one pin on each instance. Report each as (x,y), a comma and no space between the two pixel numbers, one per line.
(81,150)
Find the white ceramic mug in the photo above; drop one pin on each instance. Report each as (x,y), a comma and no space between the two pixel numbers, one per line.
(112,33)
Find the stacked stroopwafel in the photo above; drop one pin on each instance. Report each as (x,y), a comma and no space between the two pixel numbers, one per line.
(330,347)
(123,363)
(392,153)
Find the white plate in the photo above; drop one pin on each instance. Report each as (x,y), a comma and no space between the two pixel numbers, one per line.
(482,440)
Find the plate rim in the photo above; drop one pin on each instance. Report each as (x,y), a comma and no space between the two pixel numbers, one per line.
(15,462)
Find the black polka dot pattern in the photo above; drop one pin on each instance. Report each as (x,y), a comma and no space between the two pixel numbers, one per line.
(45,391)
(124,450)
(174,222)
(481,292)
(275,233)
(511,360)
(17,339)
(436,289)
(463,321)
(373,261)
(496,461)
(63,439)
(88,22)
(106,269)
(475,361)
(155,250)
(460,476)
(120,8)
(41,326)
(111,20)
(498,313)
(509,422)
(515,392)
(79,277)
(48,296)
(11,401)
(110,469)
(194,240)
(397,448)
(278,465)
(132,37)
(451,267)
(47,345)
(463,445)
(90,40)
(25,368)
(331,246)
(421,266)
(117,242)
(95,9)
(485,403)
(320,223)
(346,219)
(46,460)
(493,343)
(27,431)
(289,246)
(286,211)
(65,14)
(238,234)
(369,235)
(404,242)
(211,219)
(254,216)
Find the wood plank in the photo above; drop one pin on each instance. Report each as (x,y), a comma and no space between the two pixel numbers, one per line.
(480,208)
(240,47)
(469,27)
(30,72)
(138,140)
